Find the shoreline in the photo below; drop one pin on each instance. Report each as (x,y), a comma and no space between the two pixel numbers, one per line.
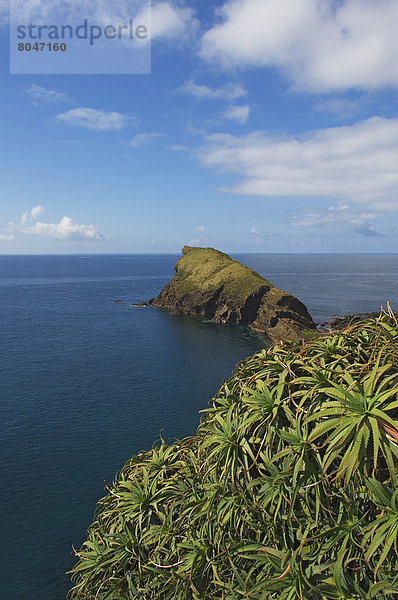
(342,321)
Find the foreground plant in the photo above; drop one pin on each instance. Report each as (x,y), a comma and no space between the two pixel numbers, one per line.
(288,490)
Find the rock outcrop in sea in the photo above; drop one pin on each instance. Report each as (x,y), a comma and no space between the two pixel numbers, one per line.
(211,285)
(343,321)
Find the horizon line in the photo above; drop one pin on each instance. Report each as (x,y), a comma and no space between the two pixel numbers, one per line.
(89,254)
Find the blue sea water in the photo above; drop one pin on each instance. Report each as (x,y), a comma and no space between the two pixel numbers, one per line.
(86,382)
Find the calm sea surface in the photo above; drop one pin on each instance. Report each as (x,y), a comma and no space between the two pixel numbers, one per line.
(85,382)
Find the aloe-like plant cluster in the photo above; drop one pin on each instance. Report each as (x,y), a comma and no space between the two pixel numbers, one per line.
(289,489)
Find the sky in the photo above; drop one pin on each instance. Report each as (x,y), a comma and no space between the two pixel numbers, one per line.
(264,126)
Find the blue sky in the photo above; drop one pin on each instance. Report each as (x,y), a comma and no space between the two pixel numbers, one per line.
(265,126)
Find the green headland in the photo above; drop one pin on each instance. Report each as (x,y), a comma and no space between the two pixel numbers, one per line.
(211,285)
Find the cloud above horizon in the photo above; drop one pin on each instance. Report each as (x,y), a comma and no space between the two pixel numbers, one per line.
(240,114)
(43,95)
(358,221)
(171,22)
(96,120)
(230,91)
(318,45)
(65,229)
(143,139)
(33,214)
(357,162)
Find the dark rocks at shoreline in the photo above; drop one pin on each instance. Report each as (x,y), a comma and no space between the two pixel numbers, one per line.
(343,321)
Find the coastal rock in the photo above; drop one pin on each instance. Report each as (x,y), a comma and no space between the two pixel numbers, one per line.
(141,304)
(343,321)
(211,285)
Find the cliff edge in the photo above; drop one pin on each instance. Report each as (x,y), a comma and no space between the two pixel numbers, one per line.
(211,285)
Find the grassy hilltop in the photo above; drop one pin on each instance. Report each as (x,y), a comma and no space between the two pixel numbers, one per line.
(208,270)
(288,490)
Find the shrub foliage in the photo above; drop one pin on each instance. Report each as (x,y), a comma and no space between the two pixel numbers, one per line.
(288,490)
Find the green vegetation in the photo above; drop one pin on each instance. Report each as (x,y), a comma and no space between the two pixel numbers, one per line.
(206,269)
(289,489)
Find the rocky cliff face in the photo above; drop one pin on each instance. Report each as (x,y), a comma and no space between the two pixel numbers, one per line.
(210,285)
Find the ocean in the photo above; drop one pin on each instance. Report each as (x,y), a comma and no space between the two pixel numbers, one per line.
(86,382)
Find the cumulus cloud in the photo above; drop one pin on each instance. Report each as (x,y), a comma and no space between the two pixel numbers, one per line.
(357,162)
(230,91)
(240,114)
(43,95)
(319,45)
(142,139)
(6,237)
(96,120)
(201,228)
(65,230)
(170,22)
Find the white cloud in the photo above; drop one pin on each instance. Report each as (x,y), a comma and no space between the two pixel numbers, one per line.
(358,162)
(143,138)
(66,229)
(357,220)
(364,228)
(230,91)
(262,236)
(32,214)
(319,45)
(201,228)
(37,211)
(41,94)
(194,242)
(172,23)
(6,238)
(240,114)
(263,233)
(97,120)
(334,214)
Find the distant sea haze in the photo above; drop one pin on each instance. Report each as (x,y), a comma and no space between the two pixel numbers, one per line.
(86,382)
